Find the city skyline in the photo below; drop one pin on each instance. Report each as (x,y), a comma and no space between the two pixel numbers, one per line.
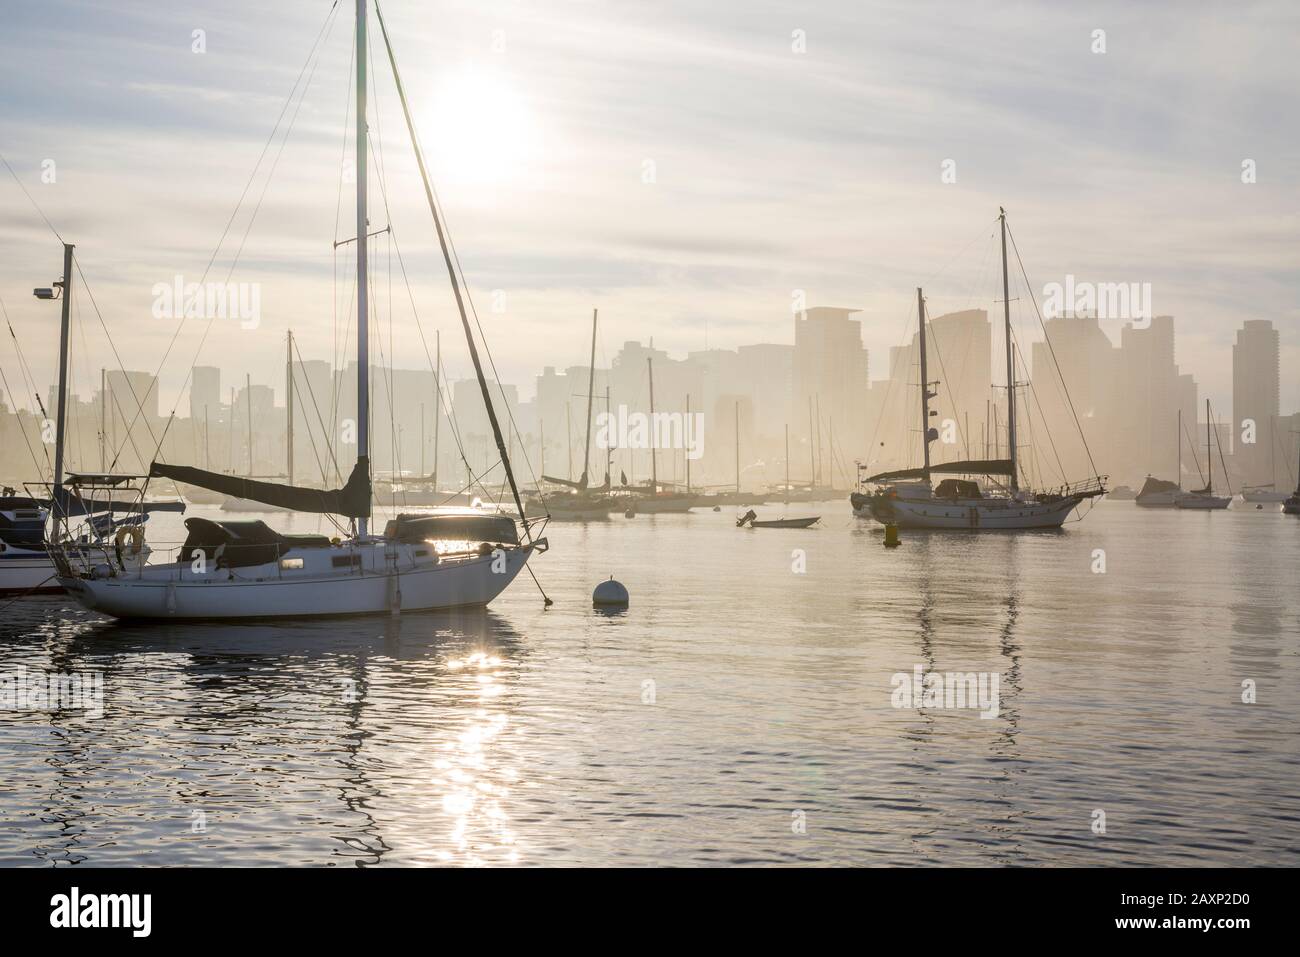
(1127,396)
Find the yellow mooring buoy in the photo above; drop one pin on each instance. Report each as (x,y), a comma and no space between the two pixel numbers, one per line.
(891,536)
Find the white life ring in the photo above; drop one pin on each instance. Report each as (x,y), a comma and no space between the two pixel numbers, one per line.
(136,534)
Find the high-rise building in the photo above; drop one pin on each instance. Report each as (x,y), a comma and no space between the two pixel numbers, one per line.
(830,376)
(205,393)
(1255,402)
(767,371)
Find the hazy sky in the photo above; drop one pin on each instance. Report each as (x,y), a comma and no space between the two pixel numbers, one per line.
(774,170)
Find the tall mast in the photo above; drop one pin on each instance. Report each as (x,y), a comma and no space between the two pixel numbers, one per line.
(1178,476)
(654,433)
(61,418)
(787,463)
(230,441)
(737,447)
(591,394)
(288,407)
(437,417)
(248,401)
(103,420)
(1209,462)
(1011,370)
(925,387)
(609,448)
(684,451)
(821,448)
(812,451)
(363,290)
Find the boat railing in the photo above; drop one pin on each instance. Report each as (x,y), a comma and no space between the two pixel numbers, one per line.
(1087,488)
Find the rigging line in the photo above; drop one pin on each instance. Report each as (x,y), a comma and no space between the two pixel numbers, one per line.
(338,202)
(316,408)
(1052,351)
(439,377)
(22,367)
(22,431)
(377,153)
(1195,460)
(456,286)
(121,367)
(933,338)
(1033,394)
(75,420)
(312,60)
(324,472)
(1227,480)
(381,173)
(28,380)
(30,199)
(440,217)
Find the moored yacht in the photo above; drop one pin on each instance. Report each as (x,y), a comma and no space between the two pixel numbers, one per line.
(909,499)
(1157,493)
(246,570)
(1204,498)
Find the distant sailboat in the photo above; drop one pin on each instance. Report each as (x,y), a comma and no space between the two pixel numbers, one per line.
(1157,493)
(1204,498)
(1292,505)
(906,497)
(578,502)
(1267,494)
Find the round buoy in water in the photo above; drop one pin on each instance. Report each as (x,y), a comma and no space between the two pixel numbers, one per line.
(891,536)
(610,594)
(630,513)
(717,508)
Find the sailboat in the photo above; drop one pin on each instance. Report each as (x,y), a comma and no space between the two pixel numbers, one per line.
(657,497)
(243,570)
(27,563)
(1158,493)
(1292,505)
(907,498)
(1267,494)
(578,502)
(1204,498)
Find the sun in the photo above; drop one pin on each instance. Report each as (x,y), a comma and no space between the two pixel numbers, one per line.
(480,131)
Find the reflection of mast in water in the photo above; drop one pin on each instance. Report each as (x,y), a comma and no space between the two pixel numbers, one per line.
(68,759)
(357,792)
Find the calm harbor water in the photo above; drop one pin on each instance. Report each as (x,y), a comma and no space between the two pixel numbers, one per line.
(739,712)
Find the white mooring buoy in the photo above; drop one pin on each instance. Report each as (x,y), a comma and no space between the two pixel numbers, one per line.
(609,594)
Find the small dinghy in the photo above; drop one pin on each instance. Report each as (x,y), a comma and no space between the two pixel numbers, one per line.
(751,519)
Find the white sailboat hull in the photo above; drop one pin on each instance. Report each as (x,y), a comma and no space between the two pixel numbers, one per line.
(1194,501)
(1159,499)
(174,591)
(975,514)
(1264,498)
(27,572)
